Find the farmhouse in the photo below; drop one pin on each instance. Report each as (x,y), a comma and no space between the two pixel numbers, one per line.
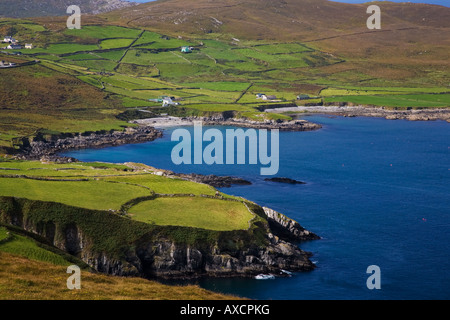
(28,46)
(14,46)
(264,97)
(9,39)
(168,101)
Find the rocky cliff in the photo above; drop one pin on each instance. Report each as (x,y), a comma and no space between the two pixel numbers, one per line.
(119,246)
(287,228)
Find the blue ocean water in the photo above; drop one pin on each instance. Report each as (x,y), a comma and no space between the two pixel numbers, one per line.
(377,192)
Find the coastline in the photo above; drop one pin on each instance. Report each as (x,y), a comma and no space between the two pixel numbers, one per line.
(280,234)
(147,130)
(427,114)
(276,227)
(169,121)
(150,129)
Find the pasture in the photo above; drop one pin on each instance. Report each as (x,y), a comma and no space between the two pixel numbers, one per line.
(204,213)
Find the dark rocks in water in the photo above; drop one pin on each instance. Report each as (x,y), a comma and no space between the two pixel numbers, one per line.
(214,181)
(284,180)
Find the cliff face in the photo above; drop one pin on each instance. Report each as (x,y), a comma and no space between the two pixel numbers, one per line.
(153,251)
(166,259)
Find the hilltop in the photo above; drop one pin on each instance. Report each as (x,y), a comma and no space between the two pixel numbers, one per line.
(36,8)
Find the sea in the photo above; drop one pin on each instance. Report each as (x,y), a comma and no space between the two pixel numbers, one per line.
(377,192)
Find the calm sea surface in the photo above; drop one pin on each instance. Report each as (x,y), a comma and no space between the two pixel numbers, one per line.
(377,192)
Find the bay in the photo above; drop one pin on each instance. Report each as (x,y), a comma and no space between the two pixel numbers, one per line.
(377,193)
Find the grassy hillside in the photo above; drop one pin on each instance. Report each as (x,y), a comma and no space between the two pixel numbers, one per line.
(411,47)
(35,8)
(86,77)
(29,279)
(31,270)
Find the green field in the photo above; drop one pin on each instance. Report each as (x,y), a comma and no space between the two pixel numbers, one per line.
(282,48)
(164,185)
(412,100)
(109,187)
(219,85)
(116,43)
(195,212)
(97,195)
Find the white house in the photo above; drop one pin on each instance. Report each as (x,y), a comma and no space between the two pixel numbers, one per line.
(28,46)
(9,39)
(167,101)
(264,97)
(14,46)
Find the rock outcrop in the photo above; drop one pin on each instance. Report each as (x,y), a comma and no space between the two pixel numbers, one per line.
(213,180)
(287,228)
(40,146)
(165,259)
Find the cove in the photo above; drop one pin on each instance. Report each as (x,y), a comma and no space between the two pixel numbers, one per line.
(377,192)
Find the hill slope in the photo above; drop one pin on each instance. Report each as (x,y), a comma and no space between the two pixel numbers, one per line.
(33,8)
(301,20)
(414,38)
(26,279)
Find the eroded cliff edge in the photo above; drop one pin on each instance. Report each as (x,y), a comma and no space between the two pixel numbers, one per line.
(117,245)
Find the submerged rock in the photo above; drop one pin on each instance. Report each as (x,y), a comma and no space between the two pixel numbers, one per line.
(284,180)
(213,180)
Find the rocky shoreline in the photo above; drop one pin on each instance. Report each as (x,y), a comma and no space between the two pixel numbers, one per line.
(48,146)
(410,114)
(213,180)
(220,120)
(164,258)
